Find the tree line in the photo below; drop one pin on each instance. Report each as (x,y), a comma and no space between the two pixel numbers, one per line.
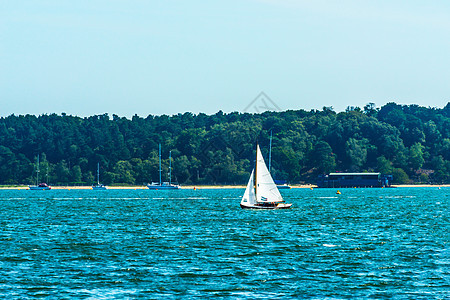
(408,141)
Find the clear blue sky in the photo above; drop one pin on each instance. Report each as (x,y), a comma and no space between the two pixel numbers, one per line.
(129,57)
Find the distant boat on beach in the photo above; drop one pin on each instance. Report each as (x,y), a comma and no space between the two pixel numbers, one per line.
(98,186)
(164,185)
(282,185)
(261,191)
(39,186)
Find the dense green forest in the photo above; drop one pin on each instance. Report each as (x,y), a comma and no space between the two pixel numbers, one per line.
(409,141)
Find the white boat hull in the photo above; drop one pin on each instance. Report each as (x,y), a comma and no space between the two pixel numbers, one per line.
(163,187)
(283,187)
(99,187)
(39,188)
(266,206)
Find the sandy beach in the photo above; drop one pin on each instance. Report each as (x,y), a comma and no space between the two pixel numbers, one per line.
(187,187)
(420,185)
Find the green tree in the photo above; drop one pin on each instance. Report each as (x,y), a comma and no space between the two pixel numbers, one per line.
(384,166)
(424,178)
(370,109)
(287,161)
(75,174)
(123,170)
(7,166)
(357,153)
(62,172)
(181,166)
(89,178)
(416,159)
(400,176)
(324,157)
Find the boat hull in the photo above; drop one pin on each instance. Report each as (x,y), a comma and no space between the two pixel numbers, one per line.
(39,188)
(283,187)
(267,206)
(163,187)
(99,187)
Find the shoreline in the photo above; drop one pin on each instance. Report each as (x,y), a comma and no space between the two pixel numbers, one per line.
(205,187)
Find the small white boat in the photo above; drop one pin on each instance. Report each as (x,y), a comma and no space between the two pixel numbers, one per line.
(39,186)
(283,186)
(98,186)
(164,185)
(261,191)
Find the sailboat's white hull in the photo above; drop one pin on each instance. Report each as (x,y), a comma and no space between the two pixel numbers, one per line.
(99,187)
(283,187)
(39,188)
(163,187)
(266,206)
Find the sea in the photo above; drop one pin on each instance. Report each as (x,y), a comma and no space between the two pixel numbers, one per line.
(390,243)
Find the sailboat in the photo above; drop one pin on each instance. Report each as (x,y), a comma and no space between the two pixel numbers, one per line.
(261,191)
(164,185)
(281,184)
(39,186)
(98,186)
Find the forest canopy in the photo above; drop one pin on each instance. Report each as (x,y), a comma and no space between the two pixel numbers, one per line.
(408,141)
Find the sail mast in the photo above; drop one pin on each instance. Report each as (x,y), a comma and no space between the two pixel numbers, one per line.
(98,173)
(170,167)
(270,150)
(37,170)
(160,183)
(256,172)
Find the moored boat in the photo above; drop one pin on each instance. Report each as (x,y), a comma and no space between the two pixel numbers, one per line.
(164,185)
(282,184)
(39,186)
(99,186)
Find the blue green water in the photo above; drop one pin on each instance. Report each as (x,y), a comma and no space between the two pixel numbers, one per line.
(364,243)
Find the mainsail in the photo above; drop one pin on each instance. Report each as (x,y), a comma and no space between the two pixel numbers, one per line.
(266,189)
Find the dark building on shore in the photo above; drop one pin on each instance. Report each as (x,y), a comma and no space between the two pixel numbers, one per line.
(344,180)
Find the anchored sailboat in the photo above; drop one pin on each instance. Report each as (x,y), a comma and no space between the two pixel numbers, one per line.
(261,191)
(164,185)
(98,186)
(39,186)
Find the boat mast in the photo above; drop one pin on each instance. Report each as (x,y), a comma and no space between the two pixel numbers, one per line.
(160,183)
(256,172)
(98,173)
(37,170)
(170,167)
(270,150)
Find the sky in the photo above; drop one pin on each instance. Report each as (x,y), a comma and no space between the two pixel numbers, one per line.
(127,57)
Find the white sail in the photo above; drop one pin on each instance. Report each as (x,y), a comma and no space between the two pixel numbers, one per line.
(249,197)
(266,190)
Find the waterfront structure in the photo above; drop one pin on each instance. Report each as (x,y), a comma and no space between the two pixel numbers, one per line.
(343,180)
